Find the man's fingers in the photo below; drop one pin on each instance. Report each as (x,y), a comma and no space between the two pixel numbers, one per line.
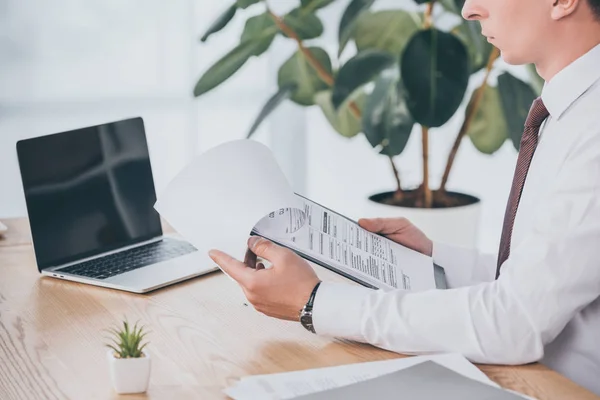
(372,225)
(384,226)
(266,249)
(234,268)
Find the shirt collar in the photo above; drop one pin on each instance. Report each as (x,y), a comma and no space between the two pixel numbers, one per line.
(572,82)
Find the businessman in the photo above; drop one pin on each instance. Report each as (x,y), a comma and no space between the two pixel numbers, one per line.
(539,298)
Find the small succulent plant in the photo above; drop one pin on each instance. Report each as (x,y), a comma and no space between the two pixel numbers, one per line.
(126,342)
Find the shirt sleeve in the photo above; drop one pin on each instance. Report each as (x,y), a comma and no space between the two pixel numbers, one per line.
(549,277)
(464,266)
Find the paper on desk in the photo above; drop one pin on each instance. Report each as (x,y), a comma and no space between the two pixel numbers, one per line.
(427,380)
(293,384)
(216,200)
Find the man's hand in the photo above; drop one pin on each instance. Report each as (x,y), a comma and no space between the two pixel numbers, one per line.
(400,230)
(280,291)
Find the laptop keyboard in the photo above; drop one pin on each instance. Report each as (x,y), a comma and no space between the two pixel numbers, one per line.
(128,260)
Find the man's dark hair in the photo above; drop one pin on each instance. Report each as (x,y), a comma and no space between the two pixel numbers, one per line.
(595,5)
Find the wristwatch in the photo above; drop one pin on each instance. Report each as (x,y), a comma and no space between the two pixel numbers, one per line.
(306,313)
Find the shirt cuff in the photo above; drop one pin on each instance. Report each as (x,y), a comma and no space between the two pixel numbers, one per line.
(337,310)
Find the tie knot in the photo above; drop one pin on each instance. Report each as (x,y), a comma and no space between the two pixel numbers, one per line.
(537,114)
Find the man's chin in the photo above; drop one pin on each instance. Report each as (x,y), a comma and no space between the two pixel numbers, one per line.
(513,59)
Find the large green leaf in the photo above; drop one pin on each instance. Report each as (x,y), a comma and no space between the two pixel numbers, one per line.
(477,45)
(305,25)
(246,3)
(537,82)
(220,23)
(459,4)
(516,97)
(488,130)
(435,72)
(226,66)
(454,6)
(297,70)
(343,120)
(282,94)
(385,30)
(359,70)
(354,9)
(386,119)
(260,29)
(312,5)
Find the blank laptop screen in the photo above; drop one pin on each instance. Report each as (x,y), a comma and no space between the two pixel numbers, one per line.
(88,191)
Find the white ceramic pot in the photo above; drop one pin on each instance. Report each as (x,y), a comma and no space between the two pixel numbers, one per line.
(455,225)
(129,375)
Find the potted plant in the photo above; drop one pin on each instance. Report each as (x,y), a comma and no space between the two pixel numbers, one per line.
(128,360)
(407,77)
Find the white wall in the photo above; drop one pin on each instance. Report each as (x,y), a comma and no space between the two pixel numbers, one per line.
(68,63)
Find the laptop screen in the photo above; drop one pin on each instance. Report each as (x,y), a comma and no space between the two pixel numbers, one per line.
(88,191)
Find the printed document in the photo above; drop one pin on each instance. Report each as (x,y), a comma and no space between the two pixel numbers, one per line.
(237,189)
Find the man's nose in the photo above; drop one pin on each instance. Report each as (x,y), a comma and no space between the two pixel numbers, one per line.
(473,10)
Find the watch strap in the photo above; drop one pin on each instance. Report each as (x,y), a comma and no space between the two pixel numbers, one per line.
(311,299)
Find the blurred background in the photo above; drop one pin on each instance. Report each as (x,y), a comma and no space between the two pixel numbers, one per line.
(66,64)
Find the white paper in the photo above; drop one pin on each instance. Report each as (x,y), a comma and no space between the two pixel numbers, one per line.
(288,385)
(218,198)
(337,241)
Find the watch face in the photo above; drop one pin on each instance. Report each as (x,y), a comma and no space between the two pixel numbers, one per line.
(306,320)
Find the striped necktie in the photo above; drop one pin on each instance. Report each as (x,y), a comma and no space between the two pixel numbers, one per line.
(529,141)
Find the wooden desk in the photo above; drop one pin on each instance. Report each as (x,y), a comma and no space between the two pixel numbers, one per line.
(203,338)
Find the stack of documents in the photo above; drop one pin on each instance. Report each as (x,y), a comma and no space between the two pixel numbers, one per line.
(447,376)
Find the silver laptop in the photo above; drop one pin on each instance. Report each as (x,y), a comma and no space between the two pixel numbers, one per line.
(90,198)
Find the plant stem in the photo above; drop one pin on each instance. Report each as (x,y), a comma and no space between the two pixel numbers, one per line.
(426,189)
(398,194)
(427,21)
(323,74)
(427,200)
(329,80)
(471,111)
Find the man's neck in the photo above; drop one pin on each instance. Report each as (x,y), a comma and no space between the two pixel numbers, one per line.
(569,45)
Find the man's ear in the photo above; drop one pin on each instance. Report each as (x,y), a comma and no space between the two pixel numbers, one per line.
(563,8)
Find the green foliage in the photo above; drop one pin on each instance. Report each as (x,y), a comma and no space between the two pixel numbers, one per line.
(488,130)
(312,5)
(305,25)
(435,72)
(221,22)
(226,67)
(516,97)
(388,30)
(402,73)
(246,3)
(342,119)
(282,94)
(536,81)
(126,342)
(387,123)
(359,70)
(261,30)
(297,70)
(352,12)
(478,47)
(257,36)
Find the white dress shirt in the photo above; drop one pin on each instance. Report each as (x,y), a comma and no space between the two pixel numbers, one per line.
(545,306)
